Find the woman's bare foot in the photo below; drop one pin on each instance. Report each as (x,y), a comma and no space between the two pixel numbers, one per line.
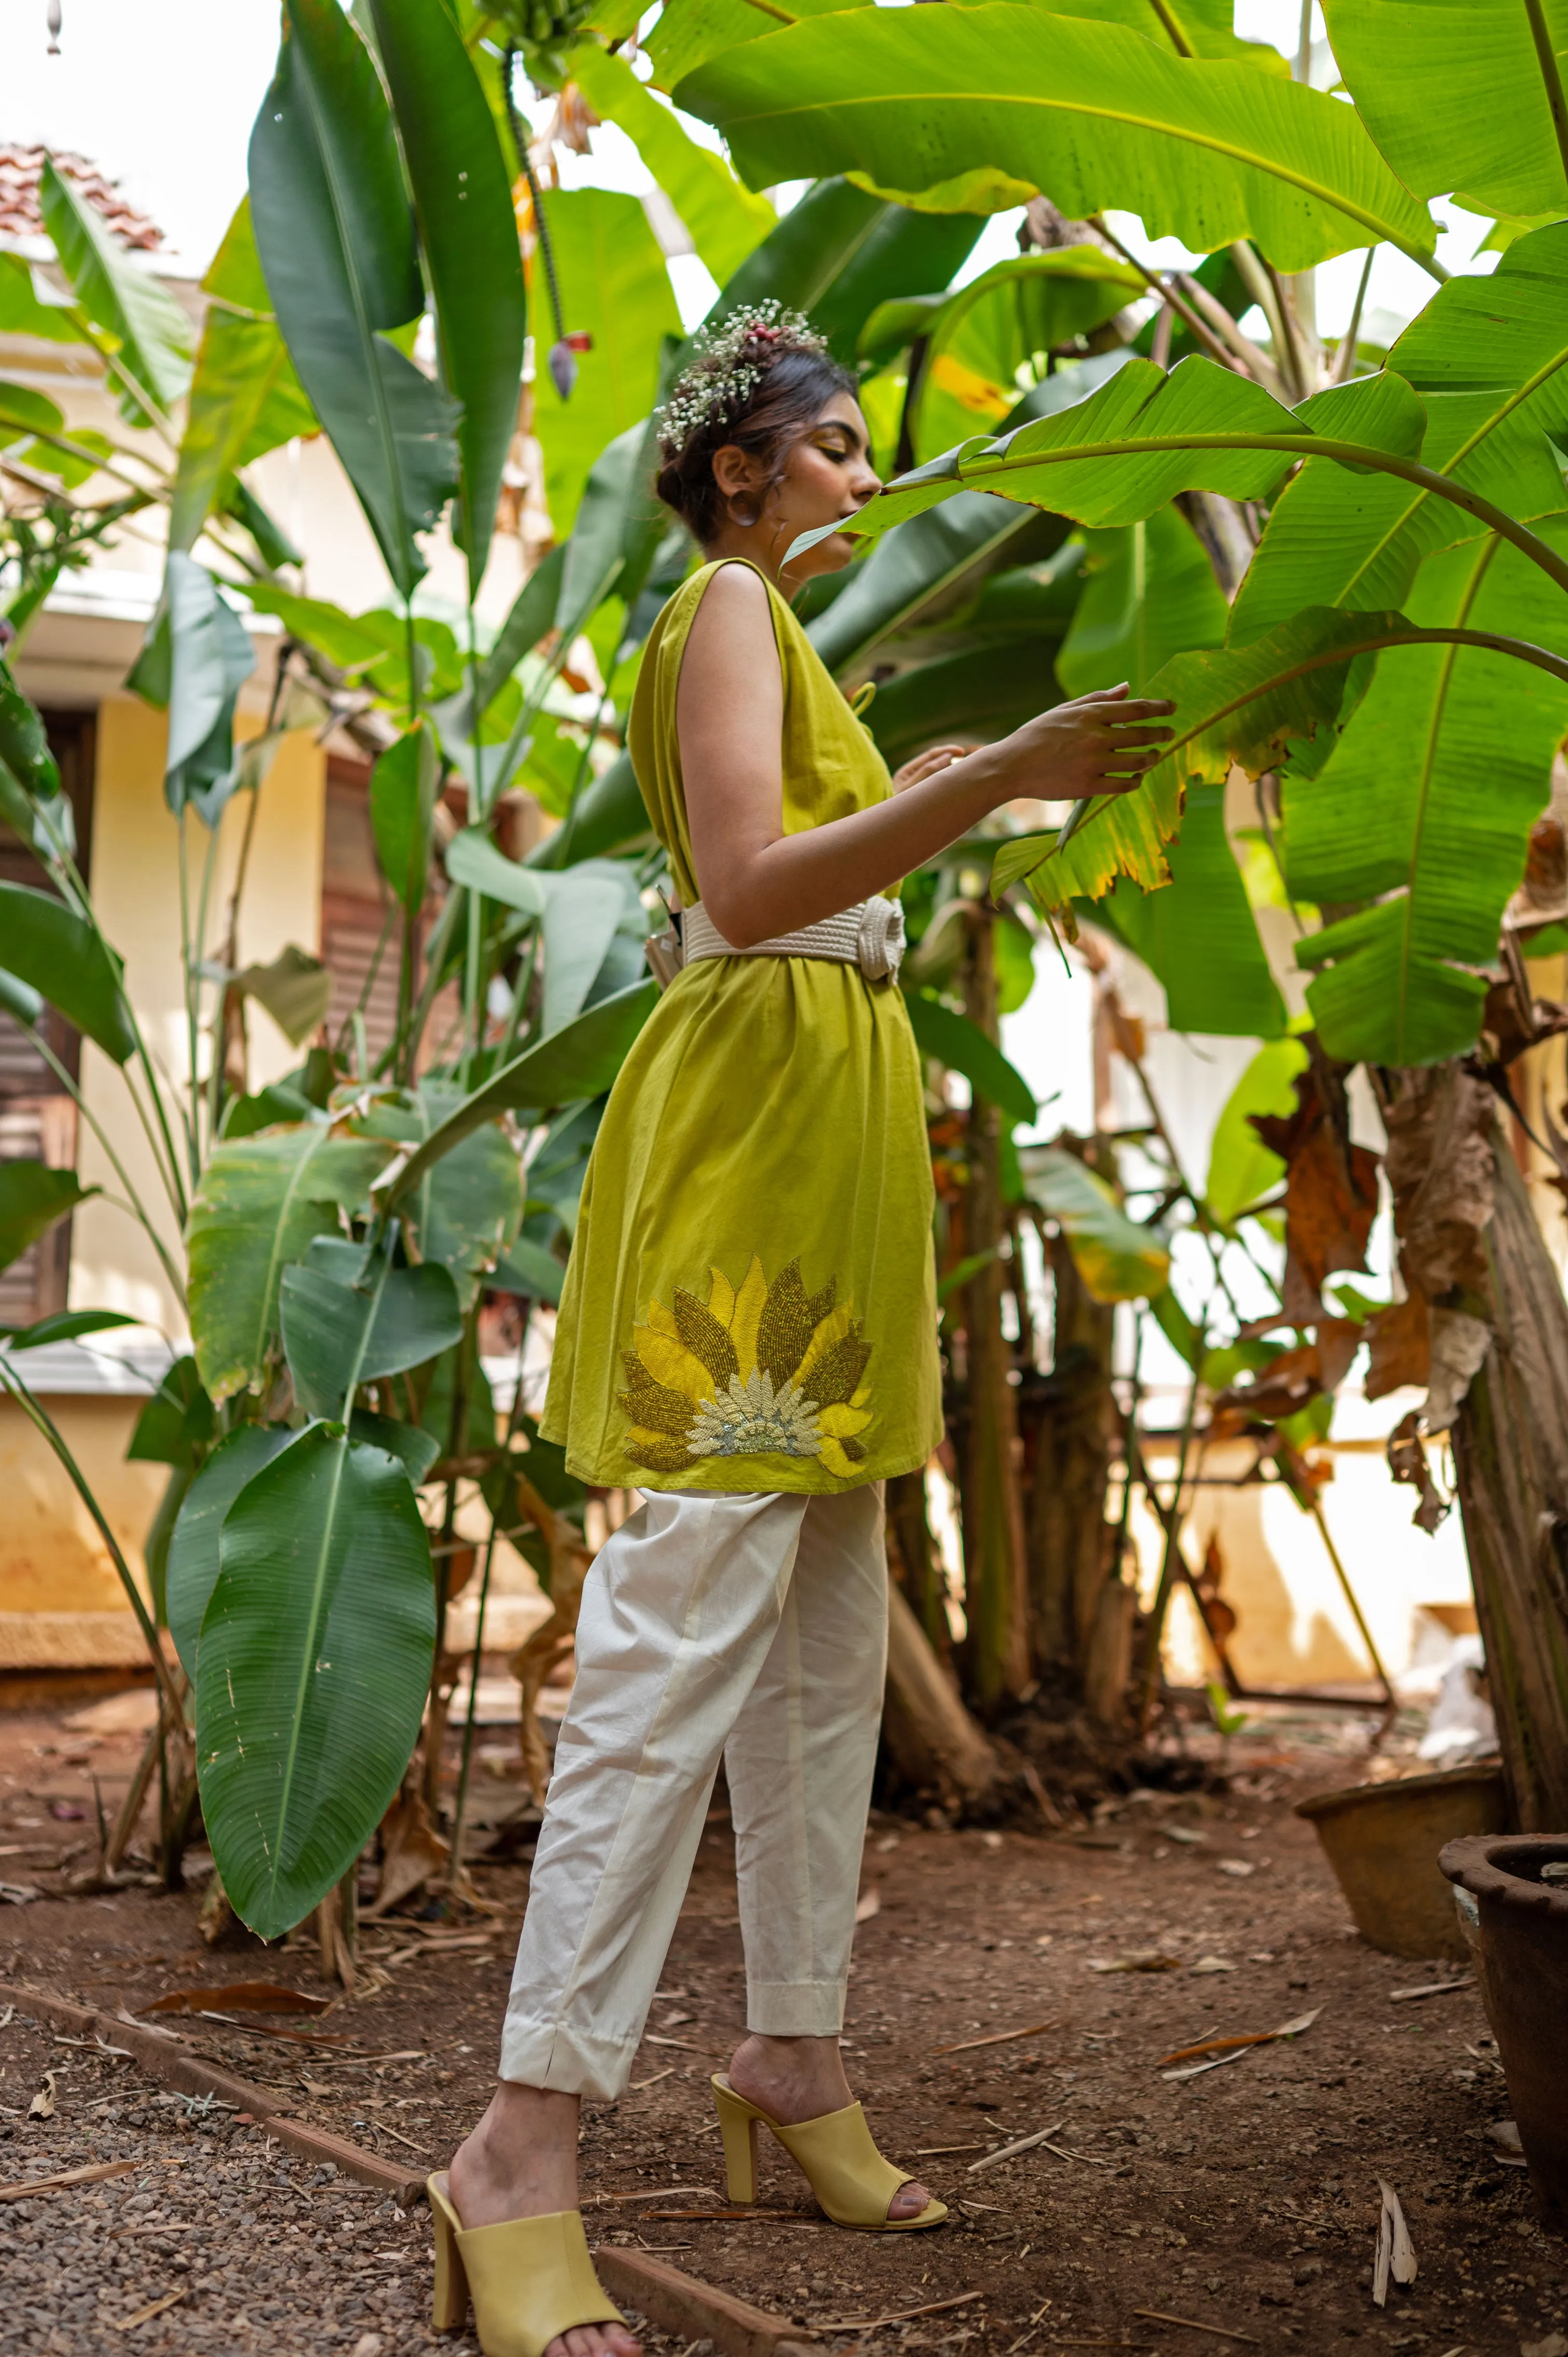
(521,2162)
(795,2078)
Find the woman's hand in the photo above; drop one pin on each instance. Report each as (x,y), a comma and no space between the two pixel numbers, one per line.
(927,765)
(1105,743)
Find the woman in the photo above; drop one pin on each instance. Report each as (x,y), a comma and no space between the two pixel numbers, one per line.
(747,1333)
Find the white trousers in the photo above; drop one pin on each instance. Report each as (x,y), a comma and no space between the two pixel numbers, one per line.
(751,1626)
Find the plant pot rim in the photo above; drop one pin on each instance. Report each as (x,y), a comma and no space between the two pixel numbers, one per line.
(1440,1779)
(1481,1863)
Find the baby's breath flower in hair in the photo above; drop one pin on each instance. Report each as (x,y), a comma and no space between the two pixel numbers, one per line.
(729,363)
(759,382)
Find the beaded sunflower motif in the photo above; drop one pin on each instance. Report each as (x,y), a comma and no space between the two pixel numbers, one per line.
(767,1370)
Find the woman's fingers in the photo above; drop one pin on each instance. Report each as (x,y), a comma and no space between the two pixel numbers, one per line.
(1148,735)
(1117,705)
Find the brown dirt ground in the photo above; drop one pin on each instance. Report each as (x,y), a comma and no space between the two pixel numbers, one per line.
(1244,2198)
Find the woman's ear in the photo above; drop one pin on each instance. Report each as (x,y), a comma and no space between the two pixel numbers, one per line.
(738,473)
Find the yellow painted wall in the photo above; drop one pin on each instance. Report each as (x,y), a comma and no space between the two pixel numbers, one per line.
(61,1604)
(136,887)
(1294,1625)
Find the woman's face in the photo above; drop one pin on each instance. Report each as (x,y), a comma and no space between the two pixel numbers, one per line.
(827,477)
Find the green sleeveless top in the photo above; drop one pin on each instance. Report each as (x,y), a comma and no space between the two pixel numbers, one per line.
(751,1300)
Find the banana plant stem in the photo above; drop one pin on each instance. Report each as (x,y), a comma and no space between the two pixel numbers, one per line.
(192,1145)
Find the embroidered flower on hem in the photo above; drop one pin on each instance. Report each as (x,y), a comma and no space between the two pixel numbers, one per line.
(748,1419)
(763,1370)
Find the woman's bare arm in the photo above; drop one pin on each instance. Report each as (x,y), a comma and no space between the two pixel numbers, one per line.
(756,881)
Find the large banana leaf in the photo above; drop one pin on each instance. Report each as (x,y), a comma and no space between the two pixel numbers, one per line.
(1246,706)
(1192,29)
(210,662)
(315,1657)
(926,560)
(1118,1260)
(610,814)
(30,305)
(1002,322)
(152,353)
(977,696)
(689,31)
(1199,938)
(725,221)
(47,945)
(1092,114)
(1355,539)
(348,1317)
(1109,452)
(579,915)
(1150,594)
(1242,1168)
(839,253)
(917,566)
(245,398)
(404,786)
(32,1197)
(953,1039)
(335,237)
(566,1068)
(616,289)
(260,1202)
(1466,97)
(468,1207)
(1423,815)
(191,1571)
(462,196)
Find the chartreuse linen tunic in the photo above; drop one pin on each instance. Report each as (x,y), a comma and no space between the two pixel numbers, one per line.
(751,1299)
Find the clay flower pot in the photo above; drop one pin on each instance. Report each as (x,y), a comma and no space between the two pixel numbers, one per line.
(1382,1842)
(1524,1939)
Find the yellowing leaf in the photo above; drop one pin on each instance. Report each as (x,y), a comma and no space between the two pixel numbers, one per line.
(721,1300)
(670,1363)
(975,393)
(747,1316)
(840,1422)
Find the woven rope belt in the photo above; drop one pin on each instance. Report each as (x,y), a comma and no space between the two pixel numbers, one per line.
(870,935)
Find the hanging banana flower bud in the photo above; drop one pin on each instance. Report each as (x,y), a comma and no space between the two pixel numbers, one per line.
(561,362)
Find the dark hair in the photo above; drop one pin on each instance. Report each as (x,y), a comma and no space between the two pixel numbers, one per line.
(759,383)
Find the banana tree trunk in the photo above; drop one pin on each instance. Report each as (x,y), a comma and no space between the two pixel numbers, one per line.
(1074,1441)
(918,1562)
(932,1739)
(1510,1453)
(995,1651)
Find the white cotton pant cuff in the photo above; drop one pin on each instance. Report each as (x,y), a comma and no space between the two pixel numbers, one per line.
(749,1628)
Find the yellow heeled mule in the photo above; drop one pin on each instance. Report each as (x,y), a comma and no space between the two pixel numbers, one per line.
(838,2154)
(530,2279)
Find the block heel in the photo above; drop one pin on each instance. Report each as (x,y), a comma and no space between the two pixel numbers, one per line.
(738,2123)
(449,2305)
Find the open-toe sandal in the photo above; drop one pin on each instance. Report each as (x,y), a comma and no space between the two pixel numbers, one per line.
(530,2279)
(838,2153)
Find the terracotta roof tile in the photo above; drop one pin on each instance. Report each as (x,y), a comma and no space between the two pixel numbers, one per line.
(21,168)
